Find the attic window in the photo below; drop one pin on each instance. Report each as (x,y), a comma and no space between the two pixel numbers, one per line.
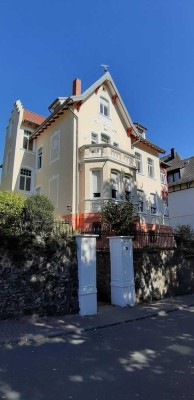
(104,89)
(104,107)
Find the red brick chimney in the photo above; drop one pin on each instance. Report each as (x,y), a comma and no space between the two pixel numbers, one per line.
(76,87)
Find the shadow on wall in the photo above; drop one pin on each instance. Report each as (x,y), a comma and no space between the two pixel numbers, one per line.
(163,273)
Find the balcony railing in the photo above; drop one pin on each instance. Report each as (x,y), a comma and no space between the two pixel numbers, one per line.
(95,206)
(106,151)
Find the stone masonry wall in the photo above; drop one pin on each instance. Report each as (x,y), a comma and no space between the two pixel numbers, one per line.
(158,274)
(41,280)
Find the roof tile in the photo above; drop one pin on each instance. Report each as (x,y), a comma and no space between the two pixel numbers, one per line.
(33,117)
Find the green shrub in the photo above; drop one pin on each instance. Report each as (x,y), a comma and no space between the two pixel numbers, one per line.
(39,213)
(11,208)
(118,217)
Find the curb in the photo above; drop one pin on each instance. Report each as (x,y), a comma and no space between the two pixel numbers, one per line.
(17,339)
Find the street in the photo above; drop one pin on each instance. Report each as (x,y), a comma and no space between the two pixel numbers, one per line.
(144,360)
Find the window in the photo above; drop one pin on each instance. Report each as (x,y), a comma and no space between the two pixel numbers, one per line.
(39,158)
(105,138)
(94,138)
(27,144)
(138,162)
(55,147)
(96,183)
(153,207)
(115,178)
(150,168)
(25,179)
(104,107)
(140,199)
(127,187)
(173,176)
(115,144)
(162,176)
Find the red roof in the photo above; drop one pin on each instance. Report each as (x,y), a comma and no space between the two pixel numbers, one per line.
(33,117)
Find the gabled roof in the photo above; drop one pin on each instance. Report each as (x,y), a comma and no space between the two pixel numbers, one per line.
(64,102)
(185,165)
(33,117)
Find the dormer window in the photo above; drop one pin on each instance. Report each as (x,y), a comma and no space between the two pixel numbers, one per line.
(104,107)
(173,176)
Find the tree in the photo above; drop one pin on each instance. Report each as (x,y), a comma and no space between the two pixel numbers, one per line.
(11,208)
(118,217)
(185,231)
(38,212)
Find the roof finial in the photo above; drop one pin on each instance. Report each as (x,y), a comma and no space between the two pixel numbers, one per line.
(105,66)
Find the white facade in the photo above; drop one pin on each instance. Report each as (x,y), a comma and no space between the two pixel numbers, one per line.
(181,207)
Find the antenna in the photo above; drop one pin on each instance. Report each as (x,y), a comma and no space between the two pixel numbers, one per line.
(105,66)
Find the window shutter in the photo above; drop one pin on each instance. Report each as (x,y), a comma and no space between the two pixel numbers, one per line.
(96,183)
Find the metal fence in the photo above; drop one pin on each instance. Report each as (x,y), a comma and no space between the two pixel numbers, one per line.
(144,240)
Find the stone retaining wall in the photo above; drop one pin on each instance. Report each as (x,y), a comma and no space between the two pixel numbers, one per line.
(42,279)
(158,274)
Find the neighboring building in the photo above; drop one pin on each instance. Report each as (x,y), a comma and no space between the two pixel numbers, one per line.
(19,153)
(88,151)
(181,188)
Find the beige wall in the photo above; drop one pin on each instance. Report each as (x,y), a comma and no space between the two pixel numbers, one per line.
(56,178)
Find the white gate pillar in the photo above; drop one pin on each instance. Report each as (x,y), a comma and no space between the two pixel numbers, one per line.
(122,272)
(87,293)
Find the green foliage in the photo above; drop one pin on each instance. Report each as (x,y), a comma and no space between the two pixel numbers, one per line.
(185,231)
(39,212)
(11,208)
(118,217)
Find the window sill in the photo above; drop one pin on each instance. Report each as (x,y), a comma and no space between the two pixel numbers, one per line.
(140,173)
(153,178)
(28,151)
(104,116)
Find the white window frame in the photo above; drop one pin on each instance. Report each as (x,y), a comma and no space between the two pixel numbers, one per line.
(153,205)
(91,183)
(115,185)
(162,176)
(56,133)
(140,201)
(32,180)
(92,139)
(150,168)
(102,106)
(108,137)
(139,160)
(25,131)
(37,158)
(127,186)
(51,179)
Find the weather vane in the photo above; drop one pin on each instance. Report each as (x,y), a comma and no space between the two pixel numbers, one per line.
(105,66)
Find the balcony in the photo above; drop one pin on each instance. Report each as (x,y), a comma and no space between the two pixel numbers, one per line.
(103,152)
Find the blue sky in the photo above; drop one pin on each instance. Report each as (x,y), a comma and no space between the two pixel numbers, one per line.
(149,45)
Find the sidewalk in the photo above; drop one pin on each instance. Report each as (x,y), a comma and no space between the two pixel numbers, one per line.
(37,329)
